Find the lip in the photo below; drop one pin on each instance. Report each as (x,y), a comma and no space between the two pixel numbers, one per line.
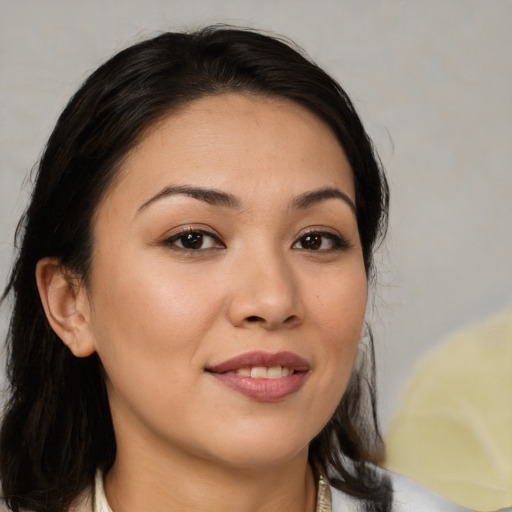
(288,359)
(262,389)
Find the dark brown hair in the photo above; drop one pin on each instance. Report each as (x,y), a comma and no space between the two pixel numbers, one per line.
(57,428)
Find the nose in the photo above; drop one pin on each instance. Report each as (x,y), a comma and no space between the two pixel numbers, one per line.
(265,293)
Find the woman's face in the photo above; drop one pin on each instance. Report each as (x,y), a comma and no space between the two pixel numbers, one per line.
(227,289)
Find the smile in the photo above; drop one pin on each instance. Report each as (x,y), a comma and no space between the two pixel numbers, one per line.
(261,376)
(261,372)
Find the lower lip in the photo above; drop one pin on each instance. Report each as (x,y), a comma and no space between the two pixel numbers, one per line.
(263,390)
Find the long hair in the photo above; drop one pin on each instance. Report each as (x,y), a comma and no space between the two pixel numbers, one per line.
(57,429)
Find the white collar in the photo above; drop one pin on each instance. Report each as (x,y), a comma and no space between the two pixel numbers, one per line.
(100,500)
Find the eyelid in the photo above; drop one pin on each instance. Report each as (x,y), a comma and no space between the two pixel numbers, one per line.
(192,228)
(341,243)
(180,231)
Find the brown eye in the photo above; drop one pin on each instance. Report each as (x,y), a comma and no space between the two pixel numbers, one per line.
(321,241)
(194,240)
(311,242)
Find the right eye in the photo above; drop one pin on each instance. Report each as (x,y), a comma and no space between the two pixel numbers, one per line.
(193,240)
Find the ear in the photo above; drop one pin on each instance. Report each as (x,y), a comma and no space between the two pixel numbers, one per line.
(66,305)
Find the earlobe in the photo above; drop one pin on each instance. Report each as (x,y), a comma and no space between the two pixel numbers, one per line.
(66,306)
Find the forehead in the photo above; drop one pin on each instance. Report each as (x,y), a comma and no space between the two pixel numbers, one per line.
(240,142)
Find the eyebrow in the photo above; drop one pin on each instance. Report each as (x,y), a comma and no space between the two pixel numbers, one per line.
(311,198)
(220,198)
(208,195)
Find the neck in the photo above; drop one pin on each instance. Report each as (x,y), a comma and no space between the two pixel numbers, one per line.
(139,482)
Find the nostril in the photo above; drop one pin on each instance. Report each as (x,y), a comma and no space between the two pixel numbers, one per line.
(254,319)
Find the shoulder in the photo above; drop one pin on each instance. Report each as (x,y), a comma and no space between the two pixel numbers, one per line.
(407,495)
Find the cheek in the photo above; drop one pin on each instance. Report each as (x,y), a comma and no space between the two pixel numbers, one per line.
(148,326)
(339,305)
(144,311)
(339,313)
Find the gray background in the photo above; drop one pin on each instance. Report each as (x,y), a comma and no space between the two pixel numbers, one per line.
(432,81)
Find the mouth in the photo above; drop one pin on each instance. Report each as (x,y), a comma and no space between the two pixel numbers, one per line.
(261,376)
(262,361)
(262,372)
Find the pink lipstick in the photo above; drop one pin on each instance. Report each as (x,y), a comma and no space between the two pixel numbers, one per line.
(262,376)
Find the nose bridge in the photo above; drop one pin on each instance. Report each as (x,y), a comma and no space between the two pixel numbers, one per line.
(266,290)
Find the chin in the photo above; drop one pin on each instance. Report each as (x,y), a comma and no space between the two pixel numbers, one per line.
(258,458)
(261,449)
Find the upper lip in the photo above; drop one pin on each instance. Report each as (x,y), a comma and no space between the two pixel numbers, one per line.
(250,359)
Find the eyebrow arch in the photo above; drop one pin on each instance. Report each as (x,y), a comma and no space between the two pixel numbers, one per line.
(210,196)
(311,198)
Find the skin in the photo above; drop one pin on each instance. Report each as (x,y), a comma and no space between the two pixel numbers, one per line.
(158,314)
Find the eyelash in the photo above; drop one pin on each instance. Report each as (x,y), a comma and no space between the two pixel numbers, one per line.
(190,232)
(338,242)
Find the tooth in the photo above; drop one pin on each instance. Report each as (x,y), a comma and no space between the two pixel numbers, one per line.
(258,372)
(274,372)
(244,372)
(286,372)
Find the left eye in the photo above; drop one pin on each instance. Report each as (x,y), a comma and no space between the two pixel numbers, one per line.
(194,241)
(321,242)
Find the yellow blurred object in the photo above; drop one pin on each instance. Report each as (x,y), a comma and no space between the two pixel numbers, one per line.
(453,429)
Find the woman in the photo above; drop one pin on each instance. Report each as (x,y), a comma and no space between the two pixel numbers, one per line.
(190,292)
